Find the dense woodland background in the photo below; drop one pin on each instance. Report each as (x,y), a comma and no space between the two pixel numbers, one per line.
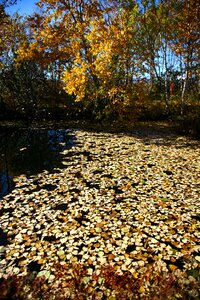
(102,61)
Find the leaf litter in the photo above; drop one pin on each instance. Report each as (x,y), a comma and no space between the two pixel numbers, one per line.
(118,200)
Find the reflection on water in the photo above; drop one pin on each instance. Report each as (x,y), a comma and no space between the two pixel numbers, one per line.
(30,151)
(6,184)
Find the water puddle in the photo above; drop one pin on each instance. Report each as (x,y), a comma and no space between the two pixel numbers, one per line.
(30,151)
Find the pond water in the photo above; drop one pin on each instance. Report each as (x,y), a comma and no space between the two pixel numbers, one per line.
(30,151)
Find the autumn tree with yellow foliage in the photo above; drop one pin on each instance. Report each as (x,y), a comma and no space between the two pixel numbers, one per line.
(93,41)
(116,53)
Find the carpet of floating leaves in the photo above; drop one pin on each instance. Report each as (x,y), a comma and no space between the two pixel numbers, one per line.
(121,200)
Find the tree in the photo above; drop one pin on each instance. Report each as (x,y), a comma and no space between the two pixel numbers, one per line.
(186,41)
(103,51)
(92,41)
(3,5)
(11,32)
(6,3)
(16,82)
(154,36)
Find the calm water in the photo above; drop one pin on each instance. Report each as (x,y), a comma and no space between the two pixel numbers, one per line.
(30,151)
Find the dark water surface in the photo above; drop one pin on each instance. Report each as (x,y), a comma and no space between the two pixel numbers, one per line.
(30,151)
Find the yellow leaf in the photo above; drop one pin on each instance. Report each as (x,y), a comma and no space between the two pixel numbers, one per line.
(172,267)
(141,290)
(135,275)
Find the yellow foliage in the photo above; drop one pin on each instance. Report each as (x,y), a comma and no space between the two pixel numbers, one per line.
(141,290)
(76,81)
(93,41)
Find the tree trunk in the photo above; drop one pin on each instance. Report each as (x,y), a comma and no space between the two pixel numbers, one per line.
(183,92)
(166,81)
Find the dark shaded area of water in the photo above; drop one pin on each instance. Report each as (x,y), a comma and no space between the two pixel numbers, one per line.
(30,151)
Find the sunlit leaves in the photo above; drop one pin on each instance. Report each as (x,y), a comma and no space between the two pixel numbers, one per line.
(106,48)
(95,41)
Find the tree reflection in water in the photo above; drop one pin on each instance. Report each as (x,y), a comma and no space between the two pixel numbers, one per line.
(30,151)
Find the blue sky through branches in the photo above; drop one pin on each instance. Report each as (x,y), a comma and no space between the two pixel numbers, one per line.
(23,7)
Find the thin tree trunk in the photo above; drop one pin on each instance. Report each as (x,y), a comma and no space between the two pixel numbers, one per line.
(166,90)
(166,81)
(183,92)
(166,94)
(185,82)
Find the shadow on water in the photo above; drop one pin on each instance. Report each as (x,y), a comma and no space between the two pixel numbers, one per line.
(30,151)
